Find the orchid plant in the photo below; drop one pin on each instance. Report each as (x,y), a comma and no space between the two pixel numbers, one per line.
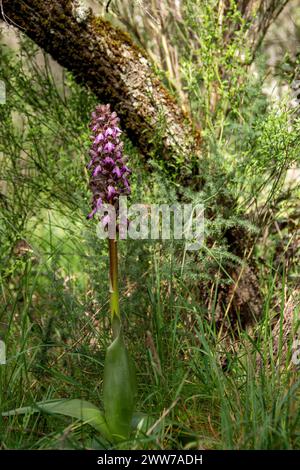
(108,181)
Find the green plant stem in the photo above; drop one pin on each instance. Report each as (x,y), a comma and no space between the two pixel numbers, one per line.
(113,287)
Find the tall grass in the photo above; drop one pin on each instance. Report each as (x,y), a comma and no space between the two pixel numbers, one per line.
(57,333)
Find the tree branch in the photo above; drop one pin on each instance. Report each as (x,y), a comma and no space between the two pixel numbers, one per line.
(107,61)
(260,14)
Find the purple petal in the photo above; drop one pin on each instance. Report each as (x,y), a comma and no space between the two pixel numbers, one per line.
(98,203)
(109,147)
(109,131)
(126,184)
(116,171)
(108,161)
(99,138)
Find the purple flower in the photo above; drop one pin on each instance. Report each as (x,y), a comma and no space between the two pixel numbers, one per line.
(108,172)
(96,170)
(116,171)
(105,220)
(109,147)
(109,131)
(126,184)
(125,169)
(91,214)
(99,203)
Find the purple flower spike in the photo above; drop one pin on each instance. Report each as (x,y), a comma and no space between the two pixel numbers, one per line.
(108,172)
(99,138)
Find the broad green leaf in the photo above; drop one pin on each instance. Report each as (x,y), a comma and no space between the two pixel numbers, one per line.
(119,389)
(75,408)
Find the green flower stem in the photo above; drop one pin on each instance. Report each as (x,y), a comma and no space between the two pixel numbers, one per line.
(113,287)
